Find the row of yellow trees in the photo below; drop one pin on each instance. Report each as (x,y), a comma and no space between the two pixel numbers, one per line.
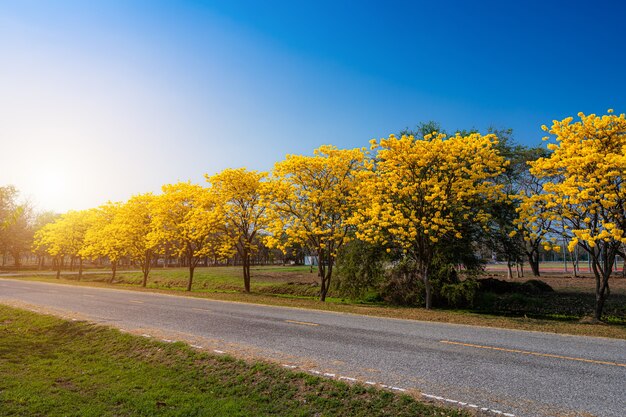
(409,194)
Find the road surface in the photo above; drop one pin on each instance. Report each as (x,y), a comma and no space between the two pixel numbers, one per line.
(508,372)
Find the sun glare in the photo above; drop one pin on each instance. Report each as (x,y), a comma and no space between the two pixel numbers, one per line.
(50,187)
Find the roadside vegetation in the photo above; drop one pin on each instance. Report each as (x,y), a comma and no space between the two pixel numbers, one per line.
(559,303)
(53,367)
(410,221)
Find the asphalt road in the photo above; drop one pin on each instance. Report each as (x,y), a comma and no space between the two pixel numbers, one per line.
(506,371)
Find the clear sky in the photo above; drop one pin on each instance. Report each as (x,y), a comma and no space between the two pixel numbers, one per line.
(100,100)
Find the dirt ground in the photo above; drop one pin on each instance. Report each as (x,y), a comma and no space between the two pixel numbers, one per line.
(561,281)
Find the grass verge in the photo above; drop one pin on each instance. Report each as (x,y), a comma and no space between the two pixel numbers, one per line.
(218,288)
(53,367)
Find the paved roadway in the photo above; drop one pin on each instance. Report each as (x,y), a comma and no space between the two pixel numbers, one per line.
(508,372)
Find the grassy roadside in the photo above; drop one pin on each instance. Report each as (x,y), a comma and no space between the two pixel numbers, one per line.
(225,284)
(53,367)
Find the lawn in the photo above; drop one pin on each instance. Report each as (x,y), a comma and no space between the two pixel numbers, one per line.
(52,367)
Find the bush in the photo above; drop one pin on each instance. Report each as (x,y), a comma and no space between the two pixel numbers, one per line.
(460,295)
(360,267)
(402,286)
(536,286)
(495,286)
(498,286)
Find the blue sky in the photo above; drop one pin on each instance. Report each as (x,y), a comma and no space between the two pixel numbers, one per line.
(100,100)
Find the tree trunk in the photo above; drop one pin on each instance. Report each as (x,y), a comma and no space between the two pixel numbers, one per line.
(145,267)
(326,279)
(113,271)
(191,268)
(575,267)
(246,271)
(80,268)
(533,260)
(509,269)
(144,282)
(429,289)
(600,299)
(602,264)
(321,272)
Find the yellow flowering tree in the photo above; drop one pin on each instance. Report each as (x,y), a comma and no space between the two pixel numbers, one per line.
(238,192)
(309,201)
(105,236)
(66,236)
(536,221)
(41,220)
(526,226)
(48,239)
(423,191)
(134,220)
(585,189)
(187,217)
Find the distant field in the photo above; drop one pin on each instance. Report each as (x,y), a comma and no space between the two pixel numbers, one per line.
(552,267)
(554,274)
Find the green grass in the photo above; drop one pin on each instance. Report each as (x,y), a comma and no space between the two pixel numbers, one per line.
(219,278)
(565,311)
(52,367)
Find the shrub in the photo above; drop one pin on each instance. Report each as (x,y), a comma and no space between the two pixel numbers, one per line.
(460,295)
(360,267)
(402,286)
(536,286)
(498,286)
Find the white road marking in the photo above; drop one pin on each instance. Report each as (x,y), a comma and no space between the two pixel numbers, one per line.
(463,404)
(303,323)
(204,310)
